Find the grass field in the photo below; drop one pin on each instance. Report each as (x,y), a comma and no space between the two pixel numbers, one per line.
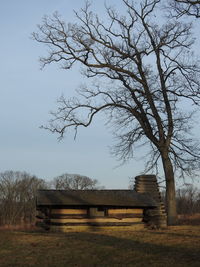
(175,246)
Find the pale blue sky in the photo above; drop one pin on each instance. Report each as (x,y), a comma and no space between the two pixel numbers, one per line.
(27,94)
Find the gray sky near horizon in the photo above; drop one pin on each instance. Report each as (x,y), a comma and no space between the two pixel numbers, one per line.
(27,94)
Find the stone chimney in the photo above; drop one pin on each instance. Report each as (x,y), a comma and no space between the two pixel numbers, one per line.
(154,218)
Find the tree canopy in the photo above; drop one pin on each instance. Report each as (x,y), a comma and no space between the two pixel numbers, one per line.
(75,181)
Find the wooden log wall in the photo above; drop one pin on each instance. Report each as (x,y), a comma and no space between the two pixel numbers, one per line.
(125,213)
(72,217)
(148,184)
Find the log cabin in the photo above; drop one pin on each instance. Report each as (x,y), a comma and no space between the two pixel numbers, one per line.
(57,209)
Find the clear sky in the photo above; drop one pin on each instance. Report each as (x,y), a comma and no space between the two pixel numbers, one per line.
(27,94)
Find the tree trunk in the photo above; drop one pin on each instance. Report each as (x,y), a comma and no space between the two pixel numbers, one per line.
(170,190)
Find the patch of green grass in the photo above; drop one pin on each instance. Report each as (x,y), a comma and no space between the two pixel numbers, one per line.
(175,246)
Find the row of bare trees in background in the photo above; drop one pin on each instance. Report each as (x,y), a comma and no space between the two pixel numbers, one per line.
(188,200)
(18,193)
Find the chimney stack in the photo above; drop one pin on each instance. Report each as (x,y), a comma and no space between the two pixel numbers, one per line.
(155,218)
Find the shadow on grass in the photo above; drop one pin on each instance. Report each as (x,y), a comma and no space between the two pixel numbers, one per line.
(172,253)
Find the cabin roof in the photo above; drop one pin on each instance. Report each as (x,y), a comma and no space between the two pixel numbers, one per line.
(126,198)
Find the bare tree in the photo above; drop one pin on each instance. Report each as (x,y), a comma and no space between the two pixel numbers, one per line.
(185,7)
(17,197)
(188,199)
(148,83)
(75,181)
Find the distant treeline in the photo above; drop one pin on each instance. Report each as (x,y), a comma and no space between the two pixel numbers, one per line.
(18,194)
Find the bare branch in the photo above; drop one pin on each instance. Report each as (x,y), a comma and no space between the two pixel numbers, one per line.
(185,7)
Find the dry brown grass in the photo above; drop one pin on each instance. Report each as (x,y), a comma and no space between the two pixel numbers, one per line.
(175,246)
(186,219)
(20,227)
